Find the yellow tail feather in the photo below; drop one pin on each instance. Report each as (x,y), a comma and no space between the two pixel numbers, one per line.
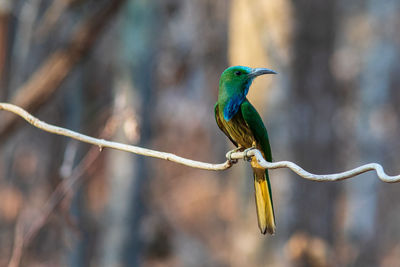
(264,206)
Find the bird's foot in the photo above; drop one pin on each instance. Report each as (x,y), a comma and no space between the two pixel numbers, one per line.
(246,151)
(229,154)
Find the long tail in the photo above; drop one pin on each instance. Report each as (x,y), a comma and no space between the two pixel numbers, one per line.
(265,207)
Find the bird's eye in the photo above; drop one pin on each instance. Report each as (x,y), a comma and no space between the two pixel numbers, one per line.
(238,73)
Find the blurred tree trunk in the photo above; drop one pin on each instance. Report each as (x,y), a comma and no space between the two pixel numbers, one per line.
(5,14)
(143,22)
(123,244)
(372,222)
(259,36)
(313,102)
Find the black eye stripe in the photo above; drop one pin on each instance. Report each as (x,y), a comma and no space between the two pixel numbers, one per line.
(238,73)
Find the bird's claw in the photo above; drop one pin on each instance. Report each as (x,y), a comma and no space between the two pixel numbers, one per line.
(246,156)
(229,155)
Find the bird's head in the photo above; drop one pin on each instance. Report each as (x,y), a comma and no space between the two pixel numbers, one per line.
(239,78)
(234,86)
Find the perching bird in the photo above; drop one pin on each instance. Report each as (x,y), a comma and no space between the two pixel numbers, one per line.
(240,121)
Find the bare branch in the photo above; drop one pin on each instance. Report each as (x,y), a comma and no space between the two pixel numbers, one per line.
(319,177)
(63,192)
(45,81)
(18,243)
(101,143)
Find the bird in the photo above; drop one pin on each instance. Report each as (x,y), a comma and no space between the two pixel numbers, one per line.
(240,122)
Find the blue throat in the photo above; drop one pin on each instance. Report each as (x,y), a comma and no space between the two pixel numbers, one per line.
(234,102)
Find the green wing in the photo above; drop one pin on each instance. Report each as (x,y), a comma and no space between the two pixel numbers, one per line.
(256,125)
(221,125)
(264,204)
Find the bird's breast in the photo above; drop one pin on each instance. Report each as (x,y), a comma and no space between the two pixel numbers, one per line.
(239,131)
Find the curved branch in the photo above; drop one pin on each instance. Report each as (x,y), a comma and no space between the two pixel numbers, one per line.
(319,177)
(101,143)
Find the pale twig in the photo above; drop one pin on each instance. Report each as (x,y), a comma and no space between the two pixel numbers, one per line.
(44,82)
(18,243)
(23,237)
(318,177)
(101,143)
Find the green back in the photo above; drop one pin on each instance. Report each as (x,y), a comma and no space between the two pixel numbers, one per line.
(256,125)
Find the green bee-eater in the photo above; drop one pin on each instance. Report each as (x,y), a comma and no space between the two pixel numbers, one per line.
(240,121)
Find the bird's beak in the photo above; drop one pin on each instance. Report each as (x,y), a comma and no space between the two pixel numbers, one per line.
(260,71)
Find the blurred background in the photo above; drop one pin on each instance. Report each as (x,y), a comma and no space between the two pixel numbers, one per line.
(146,73)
